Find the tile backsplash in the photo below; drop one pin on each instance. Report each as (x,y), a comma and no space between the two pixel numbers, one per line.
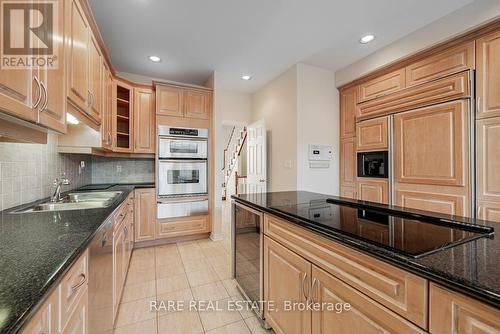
(122,170)
(27,171)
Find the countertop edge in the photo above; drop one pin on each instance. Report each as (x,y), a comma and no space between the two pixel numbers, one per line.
(487,297)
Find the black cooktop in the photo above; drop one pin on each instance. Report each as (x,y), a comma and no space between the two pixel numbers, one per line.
(399,233)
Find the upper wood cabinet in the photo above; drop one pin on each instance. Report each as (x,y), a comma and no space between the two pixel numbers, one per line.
(286,278)
(183,102)
(169,101)
(382,85)
(78,36)
(364,316)
(430,145)
(145,214)
(144,121)
(348,112)
(197,104)
(348,162)
(96,68)
(451,312)
(19,91)
(456,59)
(107,111)
(373,190)
(372,135)
(488,75)
(488,159)
(123,117)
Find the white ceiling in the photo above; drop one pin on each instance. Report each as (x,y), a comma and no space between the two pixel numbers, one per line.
(259,37)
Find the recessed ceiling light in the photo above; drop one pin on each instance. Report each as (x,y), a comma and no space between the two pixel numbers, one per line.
(155,59)
(246,77)
(366,39)
(72,119)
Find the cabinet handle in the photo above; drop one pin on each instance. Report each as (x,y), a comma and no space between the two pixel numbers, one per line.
(46,93)
(304,287)
(39,95)
(313,289)
(79,284)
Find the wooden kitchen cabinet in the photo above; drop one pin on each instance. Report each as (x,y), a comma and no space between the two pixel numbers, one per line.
(488,76)
(431,145)
(169,101)
(364,315)
(78,321)
(348,112)
(73,288)
(145,214)
(348,168)
(182,226)
(107,111)
(488,159)
(382,85)
(433,198)
(78,56)
(95,80)
(456,59)
(18,93)
(197,104)
(348,192)
(488,210)
(373,190)
(144,121)
(286,277)
(46,320)
(451,312)
(371,135)
(118,268)
(123,117)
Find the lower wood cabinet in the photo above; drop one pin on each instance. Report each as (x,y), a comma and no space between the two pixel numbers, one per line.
(348,192)
(488,210)
(451,312)
(286,276)
(78,321)
(46,320)
(177,227)
(356,313)
(145,214)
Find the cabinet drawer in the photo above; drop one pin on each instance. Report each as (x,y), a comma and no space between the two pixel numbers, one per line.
(182,226)
(120,216)
(372,135)
(364,316)
(441,90)
(454,60)
(73,287)
(398,290)
(373,190)
(383,85)
(451,312)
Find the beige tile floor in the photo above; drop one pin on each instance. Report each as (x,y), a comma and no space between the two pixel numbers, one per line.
(187,271)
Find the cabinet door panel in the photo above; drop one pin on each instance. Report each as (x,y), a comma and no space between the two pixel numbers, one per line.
(144,121)
(488,76)
(16,97)
(145,214)
(176,227)
(382,85)
(373,190)
(285,277)
(372,135)
(78,322)
(348,170)
(435,201)
(197,104)
(451,312)
(488,211)
(348,192)
(431,145)
(46,320)
(364,316)
(488,159)
(454,60)
(169,101)
(78,67)
(95,87)
(348,112)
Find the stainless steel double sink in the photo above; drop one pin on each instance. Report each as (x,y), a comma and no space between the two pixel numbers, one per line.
(76,201)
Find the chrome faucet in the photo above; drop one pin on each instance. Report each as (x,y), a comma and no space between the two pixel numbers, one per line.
(58,182)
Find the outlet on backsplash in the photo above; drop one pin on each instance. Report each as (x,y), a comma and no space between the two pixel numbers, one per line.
(119,169)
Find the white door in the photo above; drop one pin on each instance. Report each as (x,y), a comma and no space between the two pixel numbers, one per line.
(256,158)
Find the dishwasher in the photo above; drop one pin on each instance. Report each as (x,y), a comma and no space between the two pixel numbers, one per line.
(101,280)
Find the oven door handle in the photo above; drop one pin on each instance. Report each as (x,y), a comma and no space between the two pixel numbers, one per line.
(180,160)
(176,201)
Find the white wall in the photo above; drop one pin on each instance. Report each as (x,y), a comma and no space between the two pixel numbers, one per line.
(276,103)
(465,18)
(317,123)
(235,107)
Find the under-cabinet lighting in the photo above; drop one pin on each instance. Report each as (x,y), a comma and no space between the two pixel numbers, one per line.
(72,119)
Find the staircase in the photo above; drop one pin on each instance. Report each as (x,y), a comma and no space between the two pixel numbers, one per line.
(231,156)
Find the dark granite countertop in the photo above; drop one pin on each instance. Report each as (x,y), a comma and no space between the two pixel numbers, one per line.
(472,268)
(36,249)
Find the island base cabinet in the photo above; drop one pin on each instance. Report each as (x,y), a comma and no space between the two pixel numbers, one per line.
(451,312)
(46,320)
(286,276)
(342,309)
